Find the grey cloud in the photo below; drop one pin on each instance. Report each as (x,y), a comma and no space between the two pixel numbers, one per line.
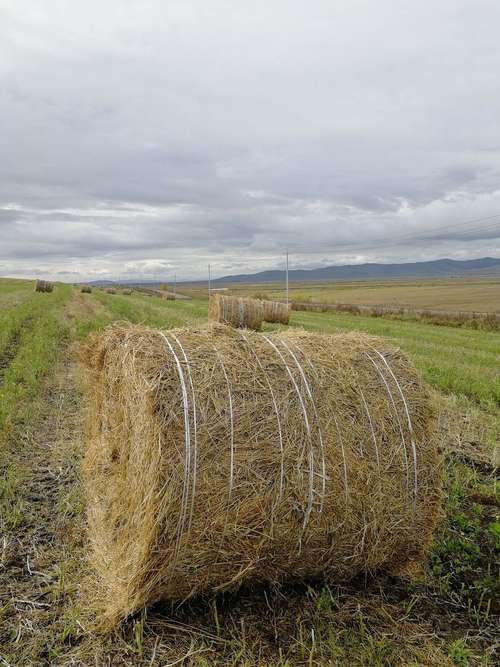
(187,130)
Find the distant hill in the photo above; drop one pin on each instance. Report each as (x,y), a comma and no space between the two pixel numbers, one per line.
(486,266)
(434,269)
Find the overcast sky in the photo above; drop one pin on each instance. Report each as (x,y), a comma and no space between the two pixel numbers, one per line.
(142,138)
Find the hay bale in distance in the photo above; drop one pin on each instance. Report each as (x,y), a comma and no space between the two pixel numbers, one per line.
(43,286)
(217,457)
(276,311)
(126,291)
(86,289)
(236,311)
(110,290)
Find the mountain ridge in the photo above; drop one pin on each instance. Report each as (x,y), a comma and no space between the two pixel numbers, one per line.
(443,268)
(432,269)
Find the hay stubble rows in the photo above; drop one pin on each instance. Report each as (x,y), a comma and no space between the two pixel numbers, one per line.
(45,608)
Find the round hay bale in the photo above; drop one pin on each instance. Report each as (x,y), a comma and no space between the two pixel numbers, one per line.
(127,292)
(43,286)
(276,311)
(86,289)
(236,311)
(217,457)
(110,290)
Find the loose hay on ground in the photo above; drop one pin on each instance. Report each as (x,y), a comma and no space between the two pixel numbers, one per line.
(236,311)
(217,457)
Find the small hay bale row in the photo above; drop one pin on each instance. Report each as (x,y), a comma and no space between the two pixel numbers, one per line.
(236,311)
(217,457)
(43,286)
(276,311)
(86,289)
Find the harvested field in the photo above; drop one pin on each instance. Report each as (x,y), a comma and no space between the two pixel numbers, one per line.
(443,613)
(160,293)
(468,319)
(453,294)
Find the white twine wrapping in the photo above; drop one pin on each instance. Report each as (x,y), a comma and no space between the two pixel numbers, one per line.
(231,421)
(374,438)
(195,430)
(276,411)
(342,448)
(410,428)
(396,414)
(316,417)
(187,448)
(241,306)
(308,430)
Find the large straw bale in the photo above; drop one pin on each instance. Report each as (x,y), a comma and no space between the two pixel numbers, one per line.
(217,457)
(236,311)
(86,289)
(276,311)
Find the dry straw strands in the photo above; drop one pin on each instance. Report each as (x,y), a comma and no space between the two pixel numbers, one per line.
(86,289)
(236,311)
(217,457)
(43,286)
(276,311)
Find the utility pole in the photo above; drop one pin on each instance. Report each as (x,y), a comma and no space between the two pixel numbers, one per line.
(286,277)
(209,281)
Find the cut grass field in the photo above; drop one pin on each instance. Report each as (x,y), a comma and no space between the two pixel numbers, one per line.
(455,361)
(446,613)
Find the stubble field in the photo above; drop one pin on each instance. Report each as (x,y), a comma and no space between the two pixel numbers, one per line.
(443,614)
(453,294)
